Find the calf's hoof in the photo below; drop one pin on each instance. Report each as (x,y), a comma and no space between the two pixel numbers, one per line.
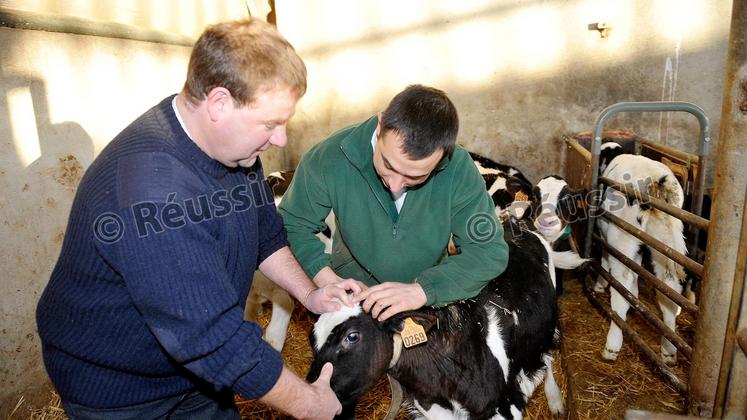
(669,359)
(610,355)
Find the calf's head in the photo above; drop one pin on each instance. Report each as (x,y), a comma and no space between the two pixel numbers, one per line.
(554,205)
(359,348)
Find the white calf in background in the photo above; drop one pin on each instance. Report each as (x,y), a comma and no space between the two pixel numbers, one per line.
(264,290)
(656,180)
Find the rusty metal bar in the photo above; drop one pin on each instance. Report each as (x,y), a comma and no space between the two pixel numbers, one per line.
(658,284)
(644,310)
(596,145)
(687,157)
(726,221)
(685,216)
(673,379)
(575,145)
(680,259)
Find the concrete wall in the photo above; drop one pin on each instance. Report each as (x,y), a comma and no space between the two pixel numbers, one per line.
(521,73)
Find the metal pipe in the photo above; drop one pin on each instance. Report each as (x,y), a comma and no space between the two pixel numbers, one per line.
(20,19)
(680,259)
(673,379)
(685,216)
(596,145)
(726,220)
(646,275)
(645,311)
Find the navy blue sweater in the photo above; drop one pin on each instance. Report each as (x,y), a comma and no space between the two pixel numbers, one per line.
(146,300)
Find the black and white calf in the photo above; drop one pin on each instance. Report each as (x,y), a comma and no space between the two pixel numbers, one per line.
(657,180)
(264,290)
(506,186)
(483,357)
(608,151)
(553,206)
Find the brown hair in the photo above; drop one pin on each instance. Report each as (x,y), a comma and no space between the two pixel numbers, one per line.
(243,56)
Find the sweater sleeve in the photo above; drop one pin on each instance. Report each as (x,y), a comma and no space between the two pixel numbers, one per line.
(177,279)
(304,208)
(479,236)
(272,234)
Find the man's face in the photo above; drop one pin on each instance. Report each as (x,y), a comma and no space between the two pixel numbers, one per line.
(395,169)
(246,131)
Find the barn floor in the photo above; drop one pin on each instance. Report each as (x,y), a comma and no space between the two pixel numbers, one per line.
(594,389)
(601,389)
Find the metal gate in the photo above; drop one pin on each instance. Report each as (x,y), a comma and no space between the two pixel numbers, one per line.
(582,172)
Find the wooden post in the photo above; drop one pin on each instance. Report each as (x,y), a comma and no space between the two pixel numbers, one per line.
(726,222)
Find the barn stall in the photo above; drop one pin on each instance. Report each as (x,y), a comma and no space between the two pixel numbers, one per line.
(504,98)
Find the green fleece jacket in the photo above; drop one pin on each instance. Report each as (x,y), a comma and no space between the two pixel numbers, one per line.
(373,243)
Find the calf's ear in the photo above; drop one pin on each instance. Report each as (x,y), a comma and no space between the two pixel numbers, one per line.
(396,323)
(513,185)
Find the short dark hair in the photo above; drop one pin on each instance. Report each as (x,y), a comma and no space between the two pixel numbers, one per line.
(426,119)
(243,56)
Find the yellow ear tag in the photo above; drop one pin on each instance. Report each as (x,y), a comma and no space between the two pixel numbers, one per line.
(413,333)
(520,196)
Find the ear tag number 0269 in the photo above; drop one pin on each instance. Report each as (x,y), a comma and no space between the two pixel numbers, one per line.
(413,333)
(520,196)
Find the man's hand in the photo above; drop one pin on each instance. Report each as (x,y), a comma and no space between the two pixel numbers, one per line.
(302,400)
(326,403)
(390,298)
(327,298)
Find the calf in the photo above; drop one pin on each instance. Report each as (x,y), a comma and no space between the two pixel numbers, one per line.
(554,205)
(507,186)
(608,151)
(264,290)
(656,180)
(483,357)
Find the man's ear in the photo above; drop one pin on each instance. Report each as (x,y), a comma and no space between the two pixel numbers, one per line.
(396,323)
(378,125)
(217,102)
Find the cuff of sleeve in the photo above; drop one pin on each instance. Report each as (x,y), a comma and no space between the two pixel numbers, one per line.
(263,377)
(269,248)
(430,291)
(313,269)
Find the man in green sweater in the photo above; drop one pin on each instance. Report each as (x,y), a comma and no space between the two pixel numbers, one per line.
(399,187)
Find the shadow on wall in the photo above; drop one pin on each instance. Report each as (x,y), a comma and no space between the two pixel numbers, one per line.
(41,164)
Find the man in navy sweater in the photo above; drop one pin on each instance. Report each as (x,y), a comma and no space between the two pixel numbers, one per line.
(143,314)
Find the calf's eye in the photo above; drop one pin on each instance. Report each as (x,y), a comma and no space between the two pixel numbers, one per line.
(352,337)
